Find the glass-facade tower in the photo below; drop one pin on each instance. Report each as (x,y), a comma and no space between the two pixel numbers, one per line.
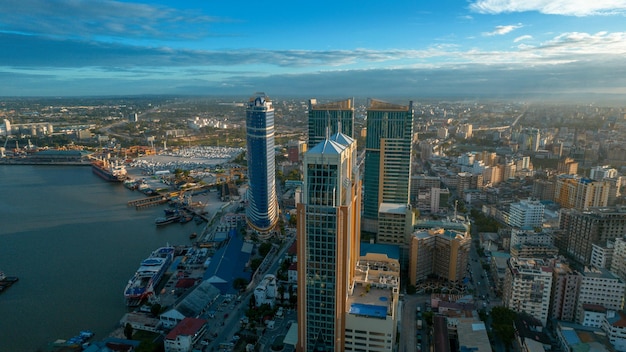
(330,117)
(262,210)
(387,155)
(328,242)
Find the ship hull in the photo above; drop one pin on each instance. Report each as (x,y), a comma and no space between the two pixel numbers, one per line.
(108,173)
(142,285)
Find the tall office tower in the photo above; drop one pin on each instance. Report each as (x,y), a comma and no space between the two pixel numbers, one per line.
(526,214)
(262,211)
(387,158)
(328,242)
(581,193)
(326,119)
(581,229)
(527,287)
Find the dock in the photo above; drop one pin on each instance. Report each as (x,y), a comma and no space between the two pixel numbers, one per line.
(147,202)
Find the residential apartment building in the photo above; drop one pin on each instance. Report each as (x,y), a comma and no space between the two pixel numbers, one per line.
(528,287)
(599,286)
(526,214)
(581,193)
(581,229)
(439,252)
(565,287)
(618,260)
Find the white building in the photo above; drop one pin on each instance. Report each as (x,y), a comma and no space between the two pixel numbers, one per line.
(266,291)
(599,286)
(526,214)
(185,335)
(602,255)
(618,262)
(519,237)
(602,172)
(615,327)
(527,287)
(372,309)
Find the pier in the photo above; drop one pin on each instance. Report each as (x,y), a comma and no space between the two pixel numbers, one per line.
(147,202)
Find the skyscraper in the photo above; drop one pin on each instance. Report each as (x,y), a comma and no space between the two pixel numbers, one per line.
(262,211)
(387,157)
(331,117)
(328,242)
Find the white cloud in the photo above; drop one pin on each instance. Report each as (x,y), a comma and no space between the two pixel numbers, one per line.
(578,8)
(502,30)
(523,37)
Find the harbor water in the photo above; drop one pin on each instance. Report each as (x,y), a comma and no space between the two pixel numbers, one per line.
(73,242)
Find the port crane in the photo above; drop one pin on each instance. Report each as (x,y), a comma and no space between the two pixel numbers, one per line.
(6,141)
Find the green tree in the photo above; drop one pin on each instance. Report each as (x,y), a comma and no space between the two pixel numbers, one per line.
(155,309)
(128,331)
(502,319)
(265,248)
(240,283)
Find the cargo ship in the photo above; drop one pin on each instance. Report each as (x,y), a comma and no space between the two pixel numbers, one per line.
(147,277)
(108,171)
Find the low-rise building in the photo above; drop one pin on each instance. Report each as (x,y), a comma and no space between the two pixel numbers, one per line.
(185,335)
(371,319)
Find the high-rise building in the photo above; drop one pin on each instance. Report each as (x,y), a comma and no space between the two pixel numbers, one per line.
(599,286)
(262,211)
(581,229)
(565,287)
(326,120)
(618,260)
(328,242)
(439,252)
(567,166)
(581,193)
(387,158)
(528,286)
(526,214)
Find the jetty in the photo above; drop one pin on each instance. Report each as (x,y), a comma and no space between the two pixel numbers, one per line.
(147,202)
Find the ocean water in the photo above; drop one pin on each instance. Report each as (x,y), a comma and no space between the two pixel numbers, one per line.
(73,242)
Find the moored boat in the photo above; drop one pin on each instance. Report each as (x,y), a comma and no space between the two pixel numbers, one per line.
(108,171)
(164,220)
(148,276)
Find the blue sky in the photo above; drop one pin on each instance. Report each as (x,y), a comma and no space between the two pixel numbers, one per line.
(493,48)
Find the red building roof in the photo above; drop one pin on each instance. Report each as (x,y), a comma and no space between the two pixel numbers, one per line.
(187,327)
